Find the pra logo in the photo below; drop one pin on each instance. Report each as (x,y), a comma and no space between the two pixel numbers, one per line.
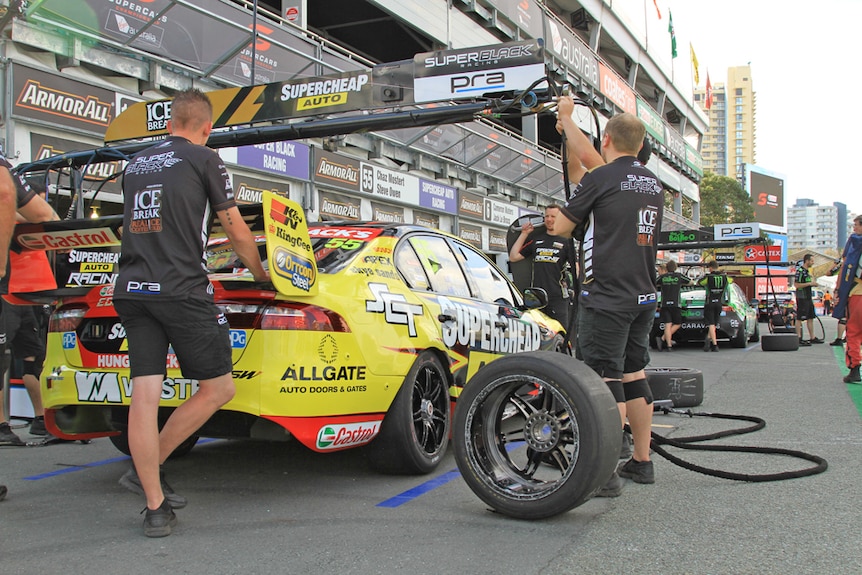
(480,81)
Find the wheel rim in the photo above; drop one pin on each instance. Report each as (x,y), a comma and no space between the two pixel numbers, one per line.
(522,438)
(430,410)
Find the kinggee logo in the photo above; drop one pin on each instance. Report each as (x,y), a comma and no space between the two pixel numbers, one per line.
(346,435)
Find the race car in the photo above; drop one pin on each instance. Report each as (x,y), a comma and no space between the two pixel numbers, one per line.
(366,341)
(737,322)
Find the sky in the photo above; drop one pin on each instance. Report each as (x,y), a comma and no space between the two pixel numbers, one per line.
(804,69)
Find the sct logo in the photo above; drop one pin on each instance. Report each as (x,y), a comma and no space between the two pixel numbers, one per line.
(237,338)
(481,81)
(69,340)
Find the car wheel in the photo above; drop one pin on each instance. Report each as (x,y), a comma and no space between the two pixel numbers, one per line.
(121,442)
(536,434)
(681,385)
(779,342)
(414,434)
(740,339)
(755,337)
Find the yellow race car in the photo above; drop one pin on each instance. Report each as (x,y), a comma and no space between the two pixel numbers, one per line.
(366,341)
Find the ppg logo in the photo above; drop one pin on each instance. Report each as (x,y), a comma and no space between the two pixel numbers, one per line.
(237,338)
(69,340)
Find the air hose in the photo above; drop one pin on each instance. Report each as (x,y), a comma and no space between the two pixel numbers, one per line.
(687,443)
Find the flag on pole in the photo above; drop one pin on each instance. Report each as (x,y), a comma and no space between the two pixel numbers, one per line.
(657,11)
(708,92)
(672,34)
(694,63)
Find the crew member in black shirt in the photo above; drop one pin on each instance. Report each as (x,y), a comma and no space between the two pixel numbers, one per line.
(804,300)
(670,283)
(715,283)
(618,208)
(551,255)
(172,192)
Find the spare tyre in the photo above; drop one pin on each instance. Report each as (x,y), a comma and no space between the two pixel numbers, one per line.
(682,385)
(779,342)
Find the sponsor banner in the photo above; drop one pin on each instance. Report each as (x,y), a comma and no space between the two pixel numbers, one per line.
(88,267)
(437,196)
(736,231)
(757,253)
(58,100)
(573,52)
(502,213)
(260,103)
(343,435)
(336,170)
(684,236)
(652,121)
(767,196)
(68,239)
(472,72)
(617,90)
(728,257)
(497,241)
(389,184)
(42,147)
(428,220)
(674,142)
(387,213)
(471,205)
(339,207)
(693,159)
(289,159)
(249,190)
(471,234)
(292,266)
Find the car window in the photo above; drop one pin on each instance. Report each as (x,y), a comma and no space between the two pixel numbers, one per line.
(440,265)
(408,264)
(487,281)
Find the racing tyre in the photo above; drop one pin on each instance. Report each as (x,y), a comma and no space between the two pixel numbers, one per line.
(739,340)
(121,442)
(779,342)
(536,434)
(415,433)
(755,337)
(681,385)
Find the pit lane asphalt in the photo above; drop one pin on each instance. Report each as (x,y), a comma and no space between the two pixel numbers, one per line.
(278,508)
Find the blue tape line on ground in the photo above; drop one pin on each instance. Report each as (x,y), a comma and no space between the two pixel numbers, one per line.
(419,490)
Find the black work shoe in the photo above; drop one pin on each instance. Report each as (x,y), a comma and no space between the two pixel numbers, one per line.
(3,492)
(130,481)
(158,522)
(853,376)
(659,343)
(706,345)
(37,426)
(7,436)
(713,347)
(637,471)
(613,488)
(816,340)
(838,341)
(627,447)
(804,342)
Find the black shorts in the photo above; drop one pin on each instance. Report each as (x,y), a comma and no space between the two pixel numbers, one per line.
(559,310)
(805,309)
(615,342)
(711,313)
(21,331)
(671,315)
(196,330)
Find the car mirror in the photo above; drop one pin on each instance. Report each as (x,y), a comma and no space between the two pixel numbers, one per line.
(535,298)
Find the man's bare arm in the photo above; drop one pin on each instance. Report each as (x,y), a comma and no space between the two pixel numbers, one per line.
(243,242)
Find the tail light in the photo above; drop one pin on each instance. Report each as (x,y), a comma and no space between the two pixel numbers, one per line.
(282,316)
(301,317)
(726,309)
(67,319)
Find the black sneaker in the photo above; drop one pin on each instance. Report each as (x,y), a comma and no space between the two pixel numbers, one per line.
(713,347)
(3,492)
(130,481)
(853,376)
(637,471)
(659,343)
(7,436)
(613,488)
(706,345)
(158,522)
(804,342)
(627,447)
(816,340)
(838,341)
(37,426)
